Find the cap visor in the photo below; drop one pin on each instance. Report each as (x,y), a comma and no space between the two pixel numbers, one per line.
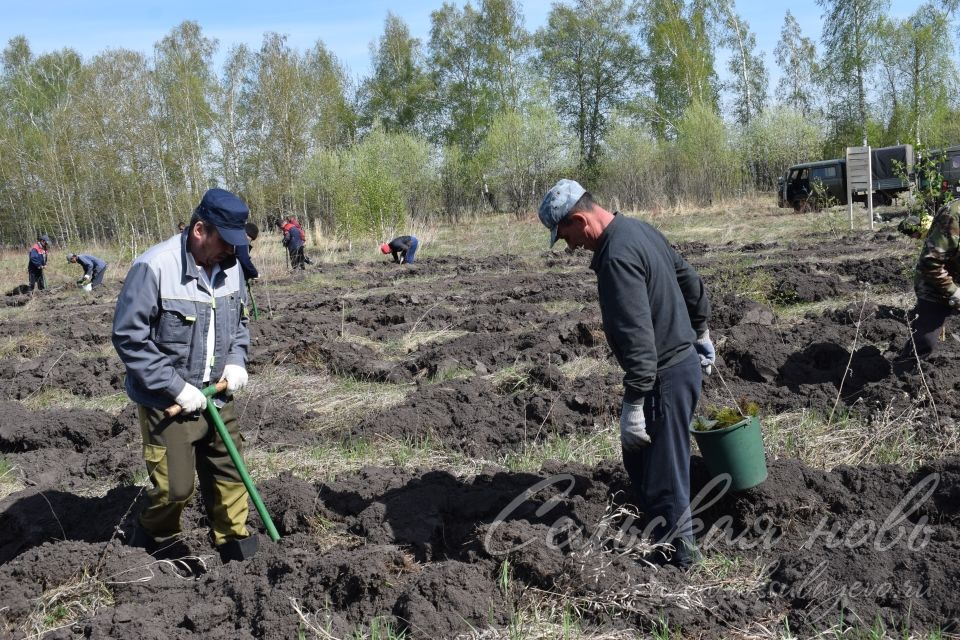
(236,237)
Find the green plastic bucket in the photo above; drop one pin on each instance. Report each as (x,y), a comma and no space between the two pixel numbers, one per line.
(736,450)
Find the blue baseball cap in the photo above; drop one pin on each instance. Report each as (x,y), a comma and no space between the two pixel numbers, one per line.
(557,204)
(227,213)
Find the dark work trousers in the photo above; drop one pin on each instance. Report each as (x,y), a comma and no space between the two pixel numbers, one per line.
(177,451)
(298,258)
(98,278)
(660,472)
(926,321)
(37,279)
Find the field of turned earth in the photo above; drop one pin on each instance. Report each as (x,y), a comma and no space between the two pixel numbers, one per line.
(437,446)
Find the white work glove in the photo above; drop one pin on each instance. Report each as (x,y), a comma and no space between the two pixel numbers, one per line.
(707,352)
(633,427)
(236,377)
(191,399)
(954,300)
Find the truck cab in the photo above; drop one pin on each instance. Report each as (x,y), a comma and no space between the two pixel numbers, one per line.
(950,170)
(892,171)
(797,188)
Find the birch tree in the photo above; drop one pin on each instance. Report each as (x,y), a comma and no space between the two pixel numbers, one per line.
(850,30)
(748,76)
(397,94)
(593,65)
(681,61)
(797,58)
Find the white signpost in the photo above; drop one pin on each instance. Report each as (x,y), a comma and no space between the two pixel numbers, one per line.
(859,178)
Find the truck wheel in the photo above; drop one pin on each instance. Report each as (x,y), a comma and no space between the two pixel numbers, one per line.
(880,199)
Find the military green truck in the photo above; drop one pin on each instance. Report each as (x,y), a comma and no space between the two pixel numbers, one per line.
(810,186)
(949,166)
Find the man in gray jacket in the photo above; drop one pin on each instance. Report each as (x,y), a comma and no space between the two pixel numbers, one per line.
(655,311)
(180,325)
(93,269)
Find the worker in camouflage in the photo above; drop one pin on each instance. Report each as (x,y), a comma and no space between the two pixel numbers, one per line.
(915,226)
(935,283)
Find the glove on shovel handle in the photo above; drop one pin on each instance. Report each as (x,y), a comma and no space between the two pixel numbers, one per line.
(175,409)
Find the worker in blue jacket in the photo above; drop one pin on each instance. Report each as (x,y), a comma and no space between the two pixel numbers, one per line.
(93,269)
(38,263)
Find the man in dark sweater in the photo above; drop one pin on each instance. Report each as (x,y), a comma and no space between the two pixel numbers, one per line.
(403,248)
(655,311)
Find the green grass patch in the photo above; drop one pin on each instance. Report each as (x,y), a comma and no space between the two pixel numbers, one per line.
(458,372)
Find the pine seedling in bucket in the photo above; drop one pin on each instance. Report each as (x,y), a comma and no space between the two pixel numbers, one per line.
(731,443)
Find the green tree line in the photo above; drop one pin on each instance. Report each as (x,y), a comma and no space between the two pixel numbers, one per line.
(481,116)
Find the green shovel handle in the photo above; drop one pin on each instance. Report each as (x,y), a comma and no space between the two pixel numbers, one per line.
(221,428)
(238,463)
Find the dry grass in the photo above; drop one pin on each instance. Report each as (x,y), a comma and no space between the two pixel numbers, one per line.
(561,612)
(61,399)
(583,366)
(732,273)
(27,345)
(66,604)
(414,338)
(338,402)
(752,218)
(731,574)
(589,448)
(563,307)
(905,436)
(327,535)
(328,461)
(10,481)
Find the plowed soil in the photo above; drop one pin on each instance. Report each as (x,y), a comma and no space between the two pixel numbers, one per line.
(486,353)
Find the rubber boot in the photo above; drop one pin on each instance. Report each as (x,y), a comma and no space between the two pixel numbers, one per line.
(686,553)
(140,538)
(239,549)
(165,548)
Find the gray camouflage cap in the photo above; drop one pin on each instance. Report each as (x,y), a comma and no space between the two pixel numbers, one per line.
(557,204)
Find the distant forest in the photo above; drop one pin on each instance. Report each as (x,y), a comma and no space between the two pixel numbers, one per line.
(481,117)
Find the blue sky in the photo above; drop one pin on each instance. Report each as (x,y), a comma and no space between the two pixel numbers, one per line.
(346,27)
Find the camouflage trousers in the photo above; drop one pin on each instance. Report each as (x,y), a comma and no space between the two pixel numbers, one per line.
(926,322)
(180,448)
